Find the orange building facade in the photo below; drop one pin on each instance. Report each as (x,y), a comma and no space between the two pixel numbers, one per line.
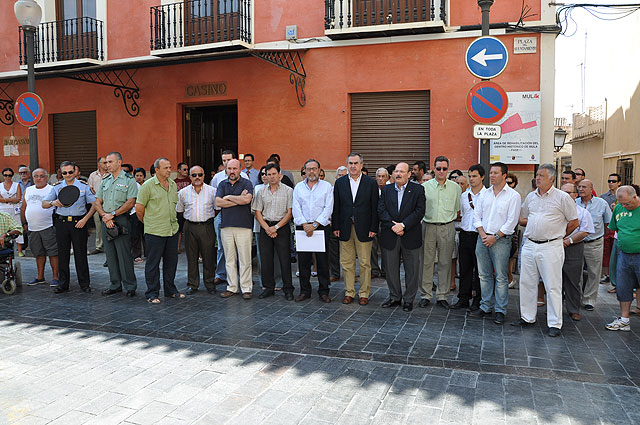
(186,80)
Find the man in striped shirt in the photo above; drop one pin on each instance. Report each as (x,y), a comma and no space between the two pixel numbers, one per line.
(197,202)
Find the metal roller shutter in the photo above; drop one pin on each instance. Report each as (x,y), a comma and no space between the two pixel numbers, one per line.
(75,139)
(392,127)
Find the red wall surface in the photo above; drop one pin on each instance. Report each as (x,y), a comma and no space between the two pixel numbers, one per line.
(269,117)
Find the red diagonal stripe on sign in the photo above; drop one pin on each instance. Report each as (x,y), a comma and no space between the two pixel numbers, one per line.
(23,103)
(486,102)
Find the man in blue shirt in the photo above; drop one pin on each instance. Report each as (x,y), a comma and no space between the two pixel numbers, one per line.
(70,223)
(249,170)
(594,242)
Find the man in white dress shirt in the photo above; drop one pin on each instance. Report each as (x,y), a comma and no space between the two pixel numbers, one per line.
(549,215)
(495,217)
(469,279)
(197,202)
(312,209)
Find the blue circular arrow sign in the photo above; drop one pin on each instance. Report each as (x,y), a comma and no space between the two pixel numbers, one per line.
(486,57)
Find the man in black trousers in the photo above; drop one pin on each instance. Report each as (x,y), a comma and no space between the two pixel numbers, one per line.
(401,208)
(355,223)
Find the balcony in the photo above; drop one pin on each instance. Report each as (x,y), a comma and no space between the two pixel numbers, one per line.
(200,25)
(382,18)
(68,42)
(589,125)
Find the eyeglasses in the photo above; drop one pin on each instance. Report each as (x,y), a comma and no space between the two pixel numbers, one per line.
(22,172)
(8,175)
(39,176)
(197,174)
(612,181)
(442,168)
(579,174)
(65,173)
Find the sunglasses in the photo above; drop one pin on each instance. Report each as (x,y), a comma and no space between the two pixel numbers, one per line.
(8,175)
(442,168)
(197,174)
(22,172)
(65,173)
(612,181)
(263,174)
(508,182)
(579,174)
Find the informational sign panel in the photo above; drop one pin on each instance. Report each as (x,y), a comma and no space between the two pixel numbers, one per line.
(520,140)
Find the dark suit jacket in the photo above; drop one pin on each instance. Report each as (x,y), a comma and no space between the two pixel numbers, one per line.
(411,214)
(363,210)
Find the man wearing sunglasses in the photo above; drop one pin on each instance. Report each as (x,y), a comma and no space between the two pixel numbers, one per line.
(197,203)
(614,181)
(442,206)
(69,222)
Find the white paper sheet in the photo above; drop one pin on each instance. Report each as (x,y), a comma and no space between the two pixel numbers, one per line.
(314,243)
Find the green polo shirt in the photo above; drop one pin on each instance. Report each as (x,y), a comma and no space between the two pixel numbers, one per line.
(443,201)
(159,204)
(627,224)
(115,192)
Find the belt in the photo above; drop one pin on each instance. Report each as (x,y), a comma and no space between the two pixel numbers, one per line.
(466,231)
(273,223)
(593,240)
(441,224)
(210,221)
(69,218)
(541,242)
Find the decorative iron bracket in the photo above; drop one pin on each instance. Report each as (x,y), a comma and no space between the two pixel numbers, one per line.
(6,107)
(122,82)
(290,60)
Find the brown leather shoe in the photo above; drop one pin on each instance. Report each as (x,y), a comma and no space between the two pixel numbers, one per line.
(347,300)
(334,279)
(227,294)
(575,317)
(364,300)
(219,281)
(246,295)
(302,297)
(325,298)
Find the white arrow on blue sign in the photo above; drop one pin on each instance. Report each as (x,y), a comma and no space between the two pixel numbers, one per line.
(486,57)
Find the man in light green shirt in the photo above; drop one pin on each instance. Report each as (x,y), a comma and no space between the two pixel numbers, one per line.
(156,208)
(443,204)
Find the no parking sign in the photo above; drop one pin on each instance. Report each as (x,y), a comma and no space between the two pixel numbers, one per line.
(29,109)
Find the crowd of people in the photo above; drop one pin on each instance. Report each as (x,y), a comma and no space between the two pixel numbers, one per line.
(565,240)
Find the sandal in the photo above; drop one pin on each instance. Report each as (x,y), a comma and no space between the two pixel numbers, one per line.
(154,300)
(178,295)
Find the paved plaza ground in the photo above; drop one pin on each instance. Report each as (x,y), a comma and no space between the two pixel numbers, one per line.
(79,358)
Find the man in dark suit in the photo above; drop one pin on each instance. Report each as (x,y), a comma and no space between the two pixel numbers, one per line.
(401,208)
(355,223)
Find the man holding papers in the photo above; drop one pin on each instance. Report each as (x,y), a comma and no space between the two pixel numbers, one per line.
(312,208)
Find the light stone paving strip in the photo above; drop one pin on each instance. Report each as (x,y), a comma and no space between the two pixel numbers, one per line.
(50,375)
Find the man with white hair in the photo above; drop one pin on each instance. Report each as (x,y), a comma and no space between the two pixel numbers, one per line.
(626,221)
(382,177)
(549,214)
(594,242)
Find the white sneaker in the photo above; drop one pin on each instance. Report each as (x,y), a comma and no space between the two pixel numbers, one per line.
(512,284)
(618,325)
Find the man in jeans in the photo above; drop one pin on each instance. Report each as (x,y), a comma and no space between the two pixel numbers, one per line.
(272,207)
(495,217)
(156,208)
(626,221)
(236,230)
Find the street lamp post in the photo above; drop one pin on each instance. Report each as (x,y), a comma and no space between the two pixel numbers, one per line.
(485,154)
(29,15)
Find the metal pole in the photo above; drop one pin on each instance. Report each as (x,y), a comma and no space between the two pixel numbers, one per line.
(31,86)
(485,144)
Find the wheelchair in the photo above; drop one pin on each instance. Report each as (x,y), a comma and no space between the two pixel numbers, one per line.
(10,270)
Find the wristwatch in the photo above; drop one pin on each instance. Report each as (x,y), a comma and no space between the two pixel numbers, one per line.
(113,213)
(497,236)
(276,226)
(315,224)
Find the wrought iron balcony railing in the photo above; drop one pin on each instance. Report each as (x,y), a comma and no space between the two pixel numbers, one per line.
(70,39)
(199,22)
(353,16)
